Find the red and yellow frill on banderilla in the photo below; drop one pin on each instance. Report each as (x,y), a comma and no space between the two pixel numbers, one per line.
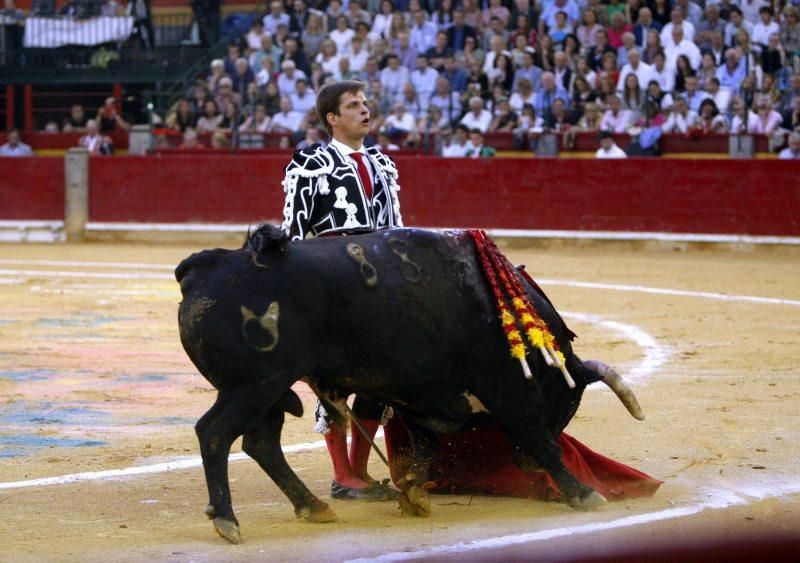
(508,290)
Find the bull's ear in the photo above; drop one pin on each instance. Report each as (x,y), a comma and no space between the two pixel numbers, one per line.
(268,238)
(290,403)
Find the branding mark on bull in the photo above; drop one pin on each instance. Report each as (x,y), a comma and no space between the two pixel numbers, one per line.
(368,271)
(410,269)
(255,327)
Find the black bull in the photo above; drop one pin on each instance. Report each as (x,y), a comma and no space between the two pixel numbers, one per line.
(401,316)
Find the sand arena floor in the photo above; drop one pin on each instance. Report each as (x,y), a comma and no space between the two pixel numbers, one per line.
(98,458)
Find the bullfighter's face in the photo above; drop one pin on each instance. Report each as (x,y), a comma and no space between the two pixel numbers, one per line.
(352,123)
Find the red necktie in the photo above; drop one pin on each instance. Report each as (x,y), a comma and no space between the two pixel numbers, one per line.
(363,173)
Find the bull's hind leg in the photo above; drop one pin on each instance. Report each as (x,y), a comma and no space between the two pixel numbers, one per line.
(518,405)
(235,412)
(413,471)
(263,444)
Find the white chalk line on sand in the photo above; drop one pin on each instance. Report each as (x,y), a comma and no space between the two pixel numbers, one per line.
(718,499)
(81,264)
(654,356)
(667,291)
(99,275)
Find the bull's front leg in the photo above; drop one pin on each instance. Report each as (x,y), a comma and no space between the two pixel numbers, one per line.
(414,480)
(233,413)
(263,444)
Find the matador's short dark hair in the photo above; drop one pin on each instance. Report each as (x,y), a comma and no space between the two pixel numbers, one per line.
(330,95)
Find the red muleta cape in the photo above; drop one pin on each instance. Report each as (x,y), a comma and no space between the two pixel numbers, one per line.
(481,461)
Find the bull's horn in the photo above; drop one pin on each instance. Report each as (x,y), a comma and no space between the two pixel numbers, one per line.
(618,386)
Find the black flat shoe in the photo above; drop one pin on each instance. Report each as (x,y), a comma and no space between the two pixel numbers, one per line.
(373,492)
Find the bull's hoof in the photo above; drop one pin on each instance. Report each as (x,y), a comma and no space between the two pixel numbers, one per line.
(415,501)
(228,530)
(588,502)
(321,515)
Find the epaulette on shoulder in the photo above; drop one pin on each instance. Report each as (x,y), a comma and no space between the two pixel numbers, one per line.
(385,161)
(310,162)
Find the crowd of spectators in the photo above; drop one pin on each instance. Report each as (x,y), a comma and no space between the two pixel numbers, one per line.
(520,66)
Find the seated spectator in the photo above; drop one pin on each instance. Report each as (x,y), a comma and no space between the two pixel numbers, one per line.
(721,96)
(525,95)
(227,97)
(51,127)
(423,78)
(76,121)
(269,50)
(712,23)
(384,142)
(707,71)
(217,73)
(495,9)
(472,53)
(275,17)
(311,138)
(477,117)
(439,52)
(642,71)
(93,141)
(617,28)
(190,140)
(475,76)
(596,53)
(529,129)
(219,140)
(431,122)
(271,99)
(288,77)
(765,27)
(608,148)
(14,146)
(547,94)
(304,99)
(681,46)
(628,44)
(645,25)
(231,118)
(561,28)
(404,50)
(588,29)
(109,118)
(505,118)
(182,117)
(793,150)
(459,143)
(286,120)
(652,47)
(769,88)
(476,147)
(709,118)
(242,78)
(211,118)
(393,77)
(447,101)
(264,75)
(582,94)
(412,101)
(683,72)
(732,73)
(459,32)
(769,120)
(656,95)
(743,120)
(616,119)
(681,119)
(259,122)
(327,57)
(502,73)
(400,122)
(588,123)
(254,36)
(560,119)
(790,30)
(665,76)
(342,35)
(633,97)
(358,55)
(693,95)
(791,119)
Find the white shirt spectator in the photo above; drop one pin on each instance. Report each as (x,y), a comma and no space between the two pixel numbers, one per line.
(788,153)
(263,77)
(393,80)
(480,121)
(424,37)
(666,33)
(342,39)
(665,78)
(517,100)
(425,84)
(613,152)
(738,127)
(305,103)
(678,123)
(331,65)
(286,85)
(618,123)
(685,47)
(761,33)
(272,22)
(454,150)
(643,72)
(730,31)
(723,99)
(750,9)
(405,122)
(695,99)
(286,122)
(358,60)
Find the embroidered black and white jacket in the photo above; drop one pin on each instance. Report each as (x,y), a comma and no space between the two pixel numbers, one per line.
(324,194)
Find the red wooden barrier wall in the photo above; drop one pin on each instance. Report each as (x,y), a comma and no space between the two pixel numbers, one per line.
(755,197)
(690,196)
(32,188)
